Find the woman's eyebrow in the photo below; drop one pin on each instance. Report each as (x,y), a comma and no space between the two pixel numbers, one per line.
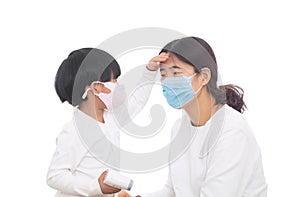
(170,67)
(175,66)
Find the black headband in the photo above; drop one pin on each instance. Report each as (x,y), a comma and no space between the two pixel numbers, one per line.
(191,50)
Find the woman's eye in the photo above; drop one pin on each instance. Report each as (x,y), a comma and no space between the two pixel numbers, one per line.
(162,75)
(176,73)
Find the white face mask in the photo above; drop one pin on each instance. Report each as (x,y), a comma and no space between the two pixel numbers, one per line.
(113,99)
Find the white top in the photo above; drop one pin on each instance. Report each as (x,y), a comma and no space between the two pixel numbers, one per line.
(83,152)
(222,159)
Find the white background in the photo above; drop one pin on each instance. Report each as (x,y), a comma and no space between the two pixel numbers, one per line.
(256,44)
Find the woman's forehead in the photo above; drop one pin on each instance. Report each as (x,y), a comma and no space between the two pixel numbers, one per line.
(174,62)
(171,61)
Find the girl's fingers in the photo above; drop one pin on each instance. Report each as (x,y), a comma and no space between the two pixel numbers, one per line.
(160,58)
(155,61)
(106,189)
(123,194)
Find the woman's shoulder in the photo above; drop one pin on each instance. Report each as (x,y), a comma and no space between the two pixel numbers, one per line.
(234,120)
(236,124)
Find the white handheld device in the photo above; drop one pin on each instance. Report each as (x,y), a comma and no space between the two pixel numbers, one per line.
(117,180)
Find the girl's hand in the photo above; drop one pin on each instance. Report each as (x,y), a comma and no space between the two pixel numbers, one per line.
(106,189)
(153,64)
(124,194)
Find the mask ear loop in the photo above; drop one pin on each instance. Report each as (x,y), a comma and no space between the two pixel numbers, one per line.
(85,93)
(197,91)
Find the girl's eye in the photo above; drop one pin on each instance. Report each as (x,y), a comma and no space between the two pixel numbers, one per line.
(162,75)
(176,73)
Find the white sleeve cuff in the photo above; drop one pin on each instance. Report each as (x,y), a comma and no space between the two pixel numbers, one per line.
(96,187)
(95,184)
(149,74)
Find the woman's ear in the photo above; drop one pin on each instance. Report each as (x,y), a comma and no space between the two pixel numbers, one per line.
(206,75)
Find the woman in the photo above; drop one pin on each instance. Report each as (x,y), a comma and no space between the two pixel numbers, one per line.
(223,158)
(88,144)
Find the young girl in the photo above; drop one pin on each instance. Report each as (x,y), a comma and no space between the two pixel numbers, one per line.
(221,157)
(88,144)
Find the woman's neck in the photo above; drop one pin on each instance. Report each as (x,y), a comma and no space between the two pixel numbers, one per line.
(201,109)
(89,109)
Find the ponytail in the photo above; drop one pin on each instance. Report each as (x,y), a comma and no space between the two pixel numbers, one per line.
(235,97)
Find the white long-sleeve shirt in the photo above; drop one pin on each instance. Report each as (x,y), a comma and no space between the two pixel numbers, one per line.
(222,160)
(82,152)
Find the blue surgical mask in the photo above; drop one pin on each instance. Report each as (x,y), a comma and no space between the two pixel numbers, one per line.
(178,90)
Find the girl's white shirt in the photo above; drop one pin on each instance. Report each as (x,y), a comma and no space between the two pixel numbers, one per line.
(86,148)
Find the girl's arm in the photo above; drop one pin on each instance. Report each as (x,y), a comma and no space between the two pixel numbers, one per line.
(62,176)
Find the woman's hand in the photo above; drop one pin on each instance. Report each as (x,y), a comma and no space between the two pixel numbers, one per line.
(153,64)
(106,189)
